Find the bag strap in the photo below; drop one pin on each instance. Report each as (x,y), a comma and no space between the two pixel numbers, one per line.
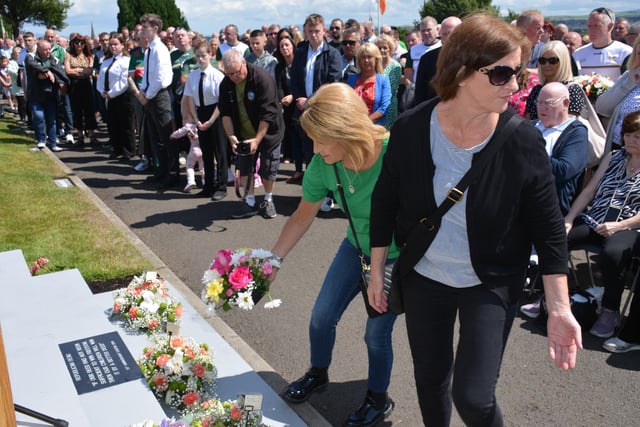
(456,193)
(345,207)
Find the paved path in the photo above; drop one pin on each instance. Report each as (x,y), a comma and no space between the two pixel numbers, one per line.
(185,232)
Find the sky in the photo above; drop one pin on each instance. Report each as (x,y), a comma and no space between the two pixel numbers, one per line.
(206,16)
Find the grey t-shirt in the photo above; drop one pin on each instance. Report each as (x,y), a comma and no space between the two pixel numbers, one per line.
(448,260)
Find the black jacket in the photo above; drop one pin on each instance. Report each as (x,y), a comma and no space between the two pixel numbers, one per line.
(511,205)
(41,89)
(327,68)
(260,100)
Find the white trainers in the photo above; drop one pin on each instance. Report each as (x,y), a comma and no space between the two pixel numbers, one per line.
(327,204)
(41,145)
(189,187)
(69,139)
(142,166)
(616,345)
(531,310)
(56,149)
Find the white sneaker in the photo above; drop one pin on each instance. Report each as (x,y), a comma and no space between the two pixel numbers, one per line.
(56,149)
(327,204)
(69,139)
(142,166)
(532,310)
(189,187)
(41,145)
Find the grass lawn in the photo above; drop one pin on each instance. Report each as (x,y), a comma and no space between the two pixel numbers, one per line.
(60,224)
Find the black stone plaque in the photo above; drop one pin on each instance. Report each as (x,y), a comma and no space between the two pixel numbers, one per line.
(99,362)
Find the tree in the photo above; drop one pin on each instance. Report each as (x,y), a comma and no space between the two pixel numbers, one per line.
(50,13)
(131,11)
(441,9)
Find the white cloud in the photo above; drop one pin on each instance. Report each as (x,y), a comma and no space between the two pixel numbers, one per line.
(207,16)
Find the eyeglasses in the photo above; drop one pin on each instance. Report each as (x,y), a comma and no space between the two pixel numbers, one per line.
(234,73)
(335,28)
(274,33)
(348,42)
(553,60)
(501,74)
(79,41)
(550,102)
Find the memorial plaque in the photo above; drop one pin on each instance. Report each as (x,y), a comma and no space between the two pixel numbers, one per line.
(99,362)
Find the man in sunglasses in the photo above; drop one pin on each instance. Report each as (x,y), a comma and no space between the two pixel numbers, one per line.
(335,31)
(603,55)
(350,44)
(272,38)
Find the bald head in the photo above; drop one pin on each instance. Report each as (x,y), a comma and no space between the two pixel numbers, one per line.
(553,104)
(447,26)
(572,40)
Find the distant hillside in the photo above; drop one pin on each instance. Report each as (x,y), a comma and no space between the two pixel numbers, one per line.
(579,23)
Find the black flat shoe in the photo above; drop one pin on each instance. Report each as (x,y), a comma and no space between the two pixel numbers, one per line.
(316,379)
(368,415)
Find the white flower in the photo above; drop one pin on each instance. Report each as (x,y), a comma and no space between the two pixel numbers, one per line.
(261,253)
(237,256)
(273,303)
(149,302)
(209,276)
(245,301)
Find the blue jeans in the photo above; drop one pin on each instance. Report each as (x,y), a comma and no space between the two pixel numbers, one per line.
(341,285)
(44,120)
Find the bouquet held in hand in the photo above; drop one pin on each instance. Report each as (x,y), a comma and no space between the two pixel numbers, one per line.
(239,279)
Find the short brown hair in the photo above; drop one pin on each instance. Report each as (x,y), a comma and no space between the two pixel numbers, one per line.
(631,123)
(152,19)
(480,40)
(313,20)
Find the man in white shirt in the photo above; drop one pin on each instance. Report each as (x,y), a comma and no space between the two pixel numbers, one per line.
(232,41)
(603,55)
(154,96)
(430,31)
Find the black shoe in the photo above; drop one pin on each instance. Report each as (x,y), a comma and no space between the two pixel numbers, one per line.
(245,211)
(219,195)
(368,415)
(316,379)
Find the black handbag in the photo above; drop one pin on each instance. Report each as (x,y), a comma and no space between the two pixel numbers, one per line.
(364,282)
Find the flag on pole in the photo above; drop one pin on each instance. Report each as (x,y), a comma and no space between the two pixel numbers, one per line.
(383,6)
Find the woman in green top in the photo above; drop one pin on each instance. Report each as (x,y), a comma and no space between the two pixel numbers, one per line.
(357,146)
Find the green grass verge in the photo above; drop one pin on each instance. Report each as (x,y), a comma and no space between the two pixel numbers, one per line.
(61,224)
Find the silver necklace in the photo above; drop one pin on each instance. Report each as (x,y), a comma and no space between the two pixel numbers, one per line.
(351,188)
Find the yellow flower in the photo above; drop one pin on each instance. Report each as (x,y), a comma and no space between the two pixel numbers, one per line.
(214,289)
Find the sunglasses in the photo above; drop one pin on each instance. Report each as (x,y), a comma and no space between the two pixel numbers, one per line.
(348,42)
(501,74)
(553,61)
(79,41)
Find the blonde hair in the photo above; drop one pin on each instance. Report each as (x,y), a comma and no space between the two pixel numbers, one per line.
(335,114)
(564,72)
(373,51)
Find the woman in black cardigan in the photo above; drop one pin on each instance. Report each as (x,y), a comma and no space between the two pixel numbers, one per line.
(475,267)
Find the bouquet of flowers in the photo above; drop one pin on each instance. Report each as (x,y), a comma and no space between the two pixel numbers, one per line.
(239,279)
(146,304)
(212,413)
(593,85)
(40,263)
(179,371)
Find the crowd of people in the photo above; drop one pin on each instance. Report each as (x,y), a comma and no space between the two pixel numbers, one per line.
(363,111)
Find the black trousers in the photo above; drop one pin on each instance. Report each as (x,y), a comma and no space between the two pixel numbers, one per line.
(120,125)
(617,251)
(214,146)
(468,380)
(158,129)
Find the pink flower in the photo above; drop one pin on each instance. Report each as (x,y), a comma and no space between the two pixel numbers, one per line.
(177,342)
(229,292)
(198,370)
(267,268)
(163,360)
(191,398)
(133,312)
(235,413)
(178,310)
(43,261)
(161,382)
(153,324)
(240,277)
(189,353)
(222,262)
